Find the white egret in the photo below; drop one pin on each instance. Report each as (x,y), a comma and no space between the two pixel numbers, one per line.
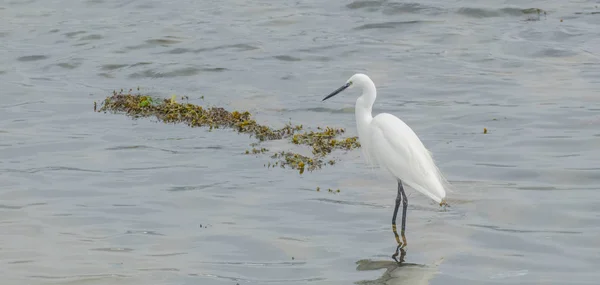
(388,142)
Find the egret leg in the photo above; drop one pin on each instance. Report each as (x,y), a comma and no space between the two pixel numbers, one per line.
(404,208)
(400,196)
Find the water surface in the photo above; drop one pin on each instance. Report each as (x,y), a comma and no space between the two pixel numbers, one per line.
(91,198)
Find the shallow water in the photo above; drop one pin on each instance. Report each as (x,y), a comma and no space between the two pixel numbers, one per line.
(92,198)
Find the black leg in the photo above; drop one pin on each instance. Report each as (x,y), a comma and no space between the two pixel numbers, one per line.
(400,248)
(398,197)
(404,208)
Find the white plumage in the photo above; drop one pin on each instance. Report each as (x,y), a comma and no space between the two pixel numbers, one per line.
(390,143)
(395,147)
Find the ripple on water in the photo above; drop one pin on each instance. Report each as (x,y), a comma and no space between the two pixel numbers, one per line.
(287,58)
(74,34)
(113,66)
(152,43)
(489,13)
(152,233)
(522,231)
(168,254)
(232,48)
(327,200)
(258,264)
(390,8)
(162,42)
(51,168)
(388,25)
(186,71)
(83,278)
(234,278)
(194,187)
(160,269)
(11,207)
(365,4)
(179,51)
(413,8)
(113,249)
(554,52)
(69,65)
(140,147)
(21,261)
(32,58)
(91,37)
(160,167)
(560,35)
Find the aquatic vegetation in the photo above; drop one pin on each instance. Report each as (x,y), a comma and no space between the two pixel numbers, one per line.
(325,141)
(322,142)
(334,191)
(534,11)
(329,189)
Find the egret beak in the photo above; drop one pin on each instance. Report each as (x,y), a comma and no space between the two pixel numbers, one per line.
(337,91)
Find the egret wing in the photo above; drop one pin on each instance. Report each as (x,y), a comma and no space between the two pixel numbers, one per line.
(398,149)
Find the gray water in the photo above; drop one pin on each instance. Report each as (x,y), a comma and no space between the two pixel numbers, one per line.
(94,198)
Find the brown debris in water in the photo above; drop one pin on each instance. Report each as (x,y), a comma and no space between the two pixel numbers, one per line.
(322,142)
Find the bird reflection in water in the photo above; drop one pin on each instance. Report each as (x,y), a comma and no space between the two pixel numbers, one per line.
(397,273)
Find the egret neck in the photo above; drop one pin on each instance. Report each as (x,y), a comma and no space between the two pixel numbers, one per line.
(364,107)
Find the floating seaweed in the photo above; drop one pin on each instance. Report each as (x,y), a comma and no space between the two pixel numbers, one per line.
(322,141)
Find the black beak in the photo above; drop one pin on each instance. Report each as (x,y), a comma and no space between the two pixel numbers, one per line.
(337,91)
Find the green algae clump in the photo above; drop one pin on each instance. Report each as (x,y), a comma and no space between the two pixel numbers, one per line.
(322,141)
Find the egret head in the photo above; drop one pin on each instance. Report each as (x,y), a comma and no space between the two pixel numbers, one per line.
(357,80)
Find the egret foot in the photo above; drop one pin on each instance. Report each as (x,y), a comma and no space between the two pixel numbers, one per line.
(399,251)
